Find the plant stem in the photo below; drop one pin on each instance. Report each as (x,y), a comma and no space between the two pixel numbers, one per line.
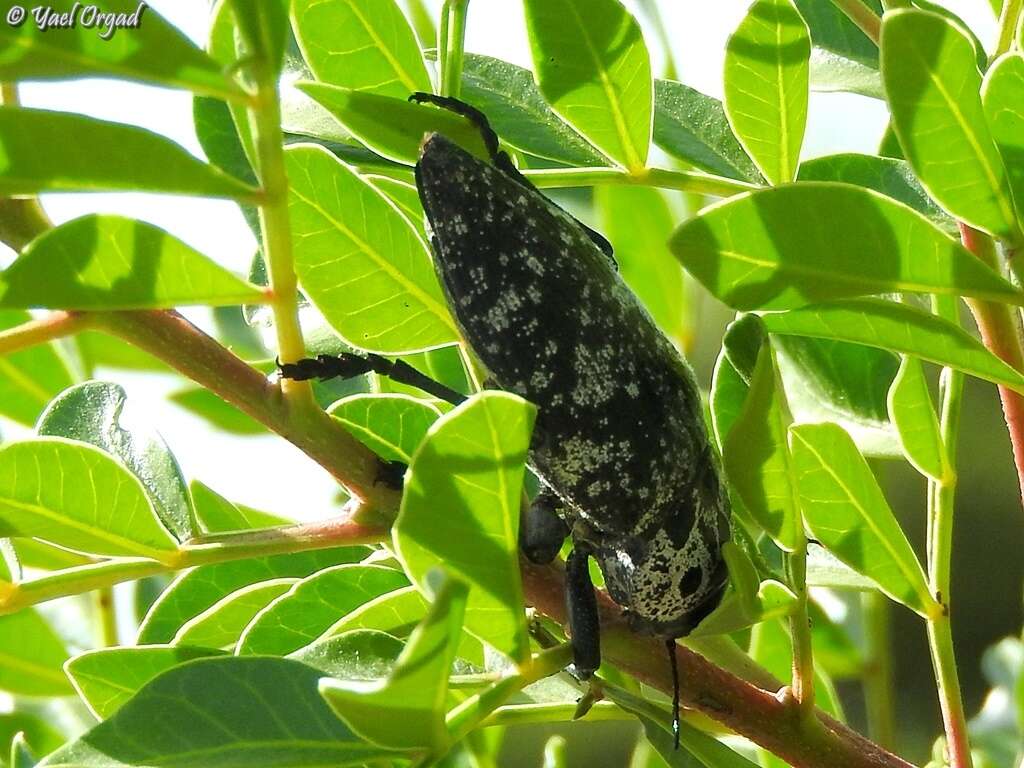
(299,538)
(450,44)
(878,681)
(865,18)
(941,507)
(800,634)
(688,181)
(275,228)
(21,220)
(1008,20)
(474,710)
(106,613)
(39,331)
(1001,334)
(171,338)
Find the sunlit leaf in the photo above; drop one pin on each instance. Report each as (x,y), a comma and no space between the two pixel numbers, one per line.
(110,262)
(31,656)
(845,510)
(42,737)
(359,260)
(813,241)
(592,66)
(99,412)
(912,411)
(932,85)
(900,328)
(1003,100)
(391,425)
(143,161)
(108,514)
(283,722)
(471,466)
(766,86)
(220,625)
(196,590)
(515,108)
(406,710)
(216,514)
(843,58)
(757,459)
(393,128)
(693,127)
(109,677)
(153,51)
(30,377)
(365,45)
(314,604)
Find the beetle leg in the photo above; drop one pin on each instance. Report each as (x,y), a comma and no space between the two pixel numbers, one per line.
(349,365)
(670,646)
(581,605)
(541,530)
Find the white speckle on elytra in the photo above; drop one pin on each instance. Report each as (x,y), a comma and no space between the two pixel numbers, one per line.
(632,389)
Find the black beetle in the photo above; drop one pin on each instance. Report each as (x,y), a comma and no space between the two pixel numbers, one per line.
(620,443)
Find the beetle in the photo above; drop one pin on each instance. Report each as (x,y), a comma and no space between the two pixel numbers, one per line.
(620,443)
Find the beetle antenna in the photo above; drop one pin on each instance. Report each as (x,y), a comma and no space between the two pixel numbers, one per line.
(670,646)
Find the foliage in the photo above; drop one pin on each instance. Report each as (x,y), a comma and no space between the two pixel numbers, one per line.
(395,633)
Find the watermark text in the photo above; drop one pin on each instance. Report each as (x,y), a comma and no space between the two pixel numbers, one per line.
(80,15)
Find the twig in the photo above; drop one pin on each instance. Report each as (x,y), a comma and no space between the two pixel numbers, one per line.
(865,18)
(53,326)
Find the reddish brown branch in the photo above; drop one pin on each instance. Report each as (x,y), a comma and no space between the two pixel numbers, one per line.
(769,720)
(53,326)
(1001,334)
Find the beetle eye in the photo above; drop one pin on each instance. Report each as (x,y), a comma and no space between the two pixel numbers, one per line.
(691,580)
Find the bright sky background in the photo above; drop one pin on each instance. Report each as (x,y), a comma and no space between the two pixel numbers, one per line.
(237,466)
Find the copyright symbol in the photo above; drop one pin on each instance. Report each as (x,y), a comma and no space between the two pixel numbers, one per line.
(16,15)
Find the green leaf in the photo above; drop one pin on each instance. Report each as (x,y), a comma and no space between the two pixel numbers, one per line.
(693,127)
(845,510)
(393,128)
(30,377)
(144,161)
(220,414)
(845,383)
(516,110)
(390,425)
(406,711)
(592,66)
(771,600)
(93,413)
(728,393)
(42,737)
(360,262)
(108,514)
(467,476)
(843,57)
(315,604)
(108,678)
(362,654)
(900,328)
(1002,97)
(825,570)
(31,656)
(215,514)
(932,85)
(110,262)
(154,51)
(813,241)
(32,553)
(766,86)
(893,178)
(196,590)
(638,222)
(406,199)
(392,612)
(251,711)
(912,411)
(219,138)
(365,45)
(21,753)
(756,456)
(220,625)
